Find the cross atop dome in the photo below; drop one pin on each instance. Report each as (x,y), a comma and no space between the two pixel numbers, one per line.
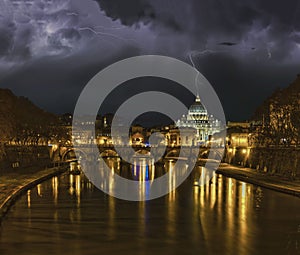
(198,99)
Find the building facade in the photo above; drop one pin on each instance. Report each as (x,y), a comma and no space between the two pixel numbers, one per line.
(199,119)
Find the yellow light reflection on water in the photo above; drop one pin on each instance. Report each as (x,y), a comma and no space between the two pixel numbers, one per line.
(196,195)
(71,183)
(172,182)
(78,188)
(230,217)
(134,168)
(213,191)
(39,190)
(243,203)
(242,214)
(171,198)
(28,199)
(152,171)
(202,187)
(55,189)
(220,194)
(142,217)
(142,180)
(111,219)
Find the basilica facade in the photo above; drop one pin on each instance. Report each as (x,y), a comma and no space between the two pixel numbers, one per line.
(199,119)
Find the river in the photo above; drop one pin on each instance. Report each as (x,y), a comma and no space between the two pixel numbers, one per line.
(68,215)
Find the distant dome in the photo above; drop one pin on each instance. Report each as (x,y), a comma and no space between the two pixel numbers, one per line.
(197,108)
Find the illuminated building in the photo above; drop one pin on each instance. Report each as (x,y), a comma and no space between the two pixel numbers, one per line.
(198,118)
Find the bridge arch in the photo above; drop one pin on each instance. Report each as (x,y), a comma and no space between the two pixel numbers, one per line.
(172,153)
(69,154)
(204,154)
(214,153)
(143,152)
(109,153)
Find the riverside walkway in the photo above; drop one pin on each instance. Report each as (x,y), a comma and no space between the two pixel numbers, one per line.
(14,184)
(274,182)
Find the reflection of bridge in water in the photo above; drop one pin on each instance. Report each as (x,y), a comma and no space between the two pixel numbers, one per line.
(175,165)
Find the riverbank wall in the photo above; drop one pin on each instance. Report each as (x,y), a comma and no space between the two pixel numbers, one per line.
(13,188)
(282,161)
(252,176)
(16,158)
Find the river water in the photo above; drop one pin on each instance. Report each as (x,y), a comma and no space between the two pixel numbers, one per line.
(68,215)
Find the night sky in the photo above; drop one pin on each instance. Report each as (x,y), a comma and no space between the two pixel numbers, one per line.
(49,49)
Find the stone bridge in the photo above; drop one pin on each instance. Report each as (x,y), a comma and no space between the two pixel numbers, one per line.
(67,153)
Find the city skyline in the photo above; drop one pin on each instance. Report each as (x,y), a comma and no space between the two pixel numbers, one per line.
(149,127)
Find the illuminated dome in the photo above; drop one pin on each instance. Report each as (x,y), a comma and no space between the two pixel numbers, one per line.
(199,119)
(197,111)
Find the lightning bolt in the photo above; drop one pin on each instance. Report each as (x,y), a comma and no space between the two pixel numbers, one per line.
(198,73)
(109,28)
(72,14)
(104,34)
(191,59)
(203,52)
(193,53)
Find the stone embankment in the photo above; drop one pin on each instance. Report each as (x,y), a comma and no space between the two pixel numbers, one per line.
(15,184)
(249,175)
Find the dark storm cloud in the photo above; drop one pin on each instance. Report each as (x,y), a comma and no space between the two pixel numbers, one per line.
(245,47)
(136,12)
(275,23)
(6,38)
(21,45)
(241,85)
(55,83)
(35,28)
(228,43)
(129,13)
(64,39)
(180,25)
(237,17)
